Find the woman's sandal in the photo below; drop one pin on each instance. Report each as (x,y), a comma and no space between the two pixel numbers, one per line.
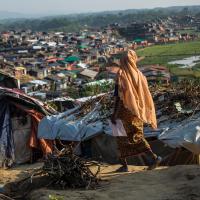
(155,164)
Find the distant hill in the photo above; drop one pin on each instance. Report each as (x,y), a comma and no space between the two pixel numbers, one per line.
(195,8)
(7,15)
(75,22)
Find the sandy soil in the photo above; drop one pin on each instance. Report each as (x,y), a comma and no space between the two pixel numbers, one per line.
(174,183)
(17,173)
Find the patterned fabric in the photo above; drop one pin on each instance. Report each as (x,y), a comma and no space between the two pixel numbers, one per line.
(134,143)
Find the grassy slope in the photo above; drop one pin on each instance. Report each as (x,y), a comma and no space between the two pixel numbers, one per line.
(162,54)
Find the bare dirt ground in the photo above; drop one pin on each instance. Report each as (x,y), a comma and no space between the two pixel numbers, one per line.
(174,183)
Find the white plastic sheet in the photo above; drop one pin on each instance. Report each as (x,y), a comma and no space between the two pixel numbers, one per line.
(186,135)
(66,126)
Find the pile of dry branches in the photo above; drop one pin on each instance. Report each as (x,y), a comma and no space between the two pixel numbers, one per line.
(185,93)
(62,170)
(67,170)
(105,101)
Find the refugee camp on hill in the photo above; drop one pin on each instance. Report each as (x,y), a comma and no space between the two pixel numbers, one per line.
(101,105)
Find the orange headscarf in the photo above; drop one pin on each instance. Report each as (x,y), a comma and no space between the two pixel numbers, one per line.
(134,91)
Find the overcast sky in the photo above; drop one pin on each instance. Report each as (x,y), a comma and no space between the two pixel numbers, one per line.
(76,6)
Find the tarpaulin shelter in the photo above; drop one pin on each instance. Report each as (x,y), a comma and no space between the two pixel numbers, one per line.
(69,126)
(19,118)
(87,125)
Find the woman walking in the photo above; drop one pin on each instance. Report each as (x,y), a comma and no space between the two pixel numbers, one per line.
(133,106)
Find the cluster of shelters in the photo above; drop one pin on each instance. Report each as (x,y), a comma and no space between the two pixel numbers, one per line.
(47,63)
(163,31)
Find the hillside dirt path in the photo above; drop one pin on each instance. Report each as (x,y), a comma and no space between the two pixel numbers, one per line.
(173,183)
